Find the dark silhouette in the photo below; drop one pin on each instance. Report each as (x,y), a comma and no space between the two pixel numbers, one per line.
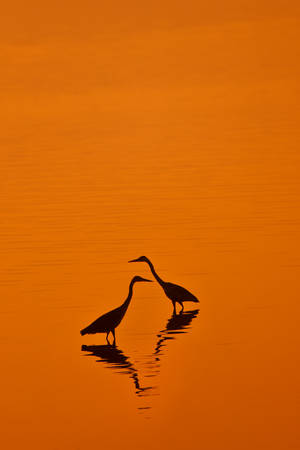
(109,321)
(177,324)
(114,358)
(174,292)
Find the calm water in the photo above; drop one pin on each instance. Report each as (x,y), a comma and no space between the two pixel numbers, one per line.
(166,133)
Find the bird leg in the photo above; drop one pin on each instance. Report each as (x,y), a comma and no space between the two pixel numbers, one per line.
(107,340)
(174,307)
(113,332)
(181,304)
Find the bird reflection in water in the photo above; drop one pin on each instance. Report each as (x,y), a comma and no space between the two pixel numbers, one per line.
(115,359)
(177,324)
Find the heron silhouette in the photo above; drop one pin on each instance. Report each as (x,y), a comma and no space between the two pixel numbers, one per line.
(114,358)
(177,294)
(109,321)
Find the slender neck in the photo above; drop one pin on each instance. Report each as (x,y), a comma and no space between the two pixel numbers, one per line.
(129,297)
(158,279)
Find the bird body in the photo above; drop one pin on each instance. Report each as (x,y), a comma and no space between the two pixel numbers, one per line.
(176,293)
(107,323)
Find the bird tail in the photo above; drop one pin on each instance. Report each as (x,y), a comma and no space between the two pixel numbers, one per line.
(83,332)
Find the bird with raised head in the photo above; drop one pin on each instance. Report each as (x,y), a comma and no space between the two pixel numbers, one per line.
(177,294)
(109,321)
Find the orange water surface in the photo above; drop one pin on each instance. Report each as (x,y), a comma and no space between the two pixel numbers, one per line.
(171,130)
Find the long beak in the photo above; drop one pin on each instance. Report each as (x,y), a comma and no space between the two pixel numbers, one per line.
(134,260)
(150,281)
